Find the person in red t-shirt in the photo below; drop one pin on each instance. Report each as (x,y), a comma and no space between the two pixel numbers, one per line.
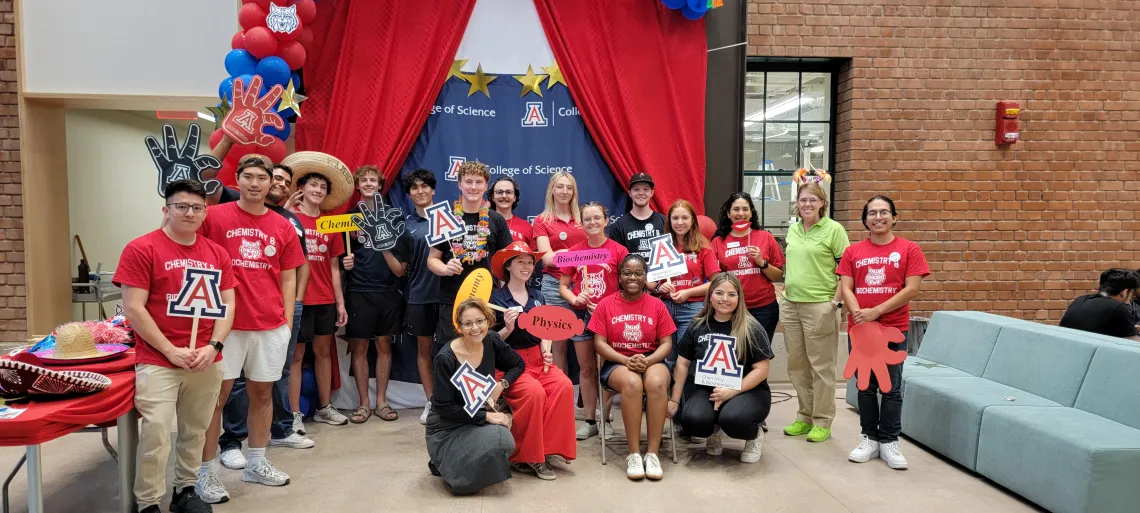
(171,377)
(265,254)
(504,196)
(583,287)
(324,309)
(752,255)
(558,227)
(879,277)
(687,291)
(634,334)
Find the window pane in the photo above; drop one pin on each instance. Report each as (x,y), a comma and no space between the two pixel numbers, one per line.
(783,94)
(753,99)
(780,152)
(816,97)
(777,204)
(815,138)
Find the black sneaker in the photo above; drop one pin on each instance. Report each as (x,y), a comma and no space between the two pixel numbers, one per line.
(151,509)
(187,501)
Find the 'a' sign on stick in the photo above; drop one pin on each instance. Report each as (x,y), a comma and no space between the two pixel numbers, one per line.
(664,259)
(476,388)
(200,296)
(442,224)
(719,367)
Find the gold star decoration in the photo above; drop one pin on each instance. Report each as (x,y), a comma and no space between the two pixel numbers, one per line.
(291,100)
(456,70)
(531,83)
(479,81)
(220,112)
(555,75)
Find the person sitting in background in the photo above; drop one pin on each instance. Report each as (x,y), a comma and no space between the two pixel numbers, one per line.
(470,452)
(708,410)
(1107,312)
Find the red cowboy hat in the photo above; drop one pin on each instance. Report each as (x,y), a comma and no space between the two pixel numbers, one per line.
(499,261)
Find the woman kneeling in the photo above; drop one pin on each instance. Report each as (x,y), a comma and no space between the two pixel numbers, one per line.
(634,334)
(708,410)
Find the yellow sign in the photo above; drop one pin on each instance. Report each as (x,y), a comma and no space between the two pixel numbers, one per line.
(477,284)
(336,224)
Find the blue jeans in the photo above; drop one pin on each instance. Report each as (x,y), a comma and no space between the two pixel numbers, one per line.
(768,316)
(682,314)
(237,404)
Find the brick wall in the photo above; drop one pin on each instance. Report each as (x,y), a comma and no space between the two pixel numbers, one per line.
(13,294)
(1016,231)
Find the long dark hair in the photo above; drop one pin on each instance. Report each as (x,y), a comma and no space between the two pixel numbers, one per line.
(888,201)
(724,225)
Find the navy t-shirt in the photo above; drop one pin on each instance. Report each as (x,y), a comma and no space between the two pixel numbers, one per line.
(519,338)
(422,284)
(370,271)
(634,233)
(229,195)
(499,238)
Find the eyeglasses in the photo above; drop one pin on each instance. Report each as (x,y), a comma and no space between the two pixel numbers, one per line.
(182,208)
(633,274)
(474,324)
(504,192)
(809,201)
(878,213)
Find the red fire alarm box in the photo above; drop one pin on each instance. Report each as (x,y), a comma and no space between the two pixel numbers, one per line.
(1006,132)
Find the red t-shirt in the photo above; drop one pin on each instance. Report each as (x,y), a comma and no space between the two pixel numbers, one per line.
(632,328)
(521,231)
(879,272)
(562,235)
(320,248)
(601,279)
(732,253)
(260,248)
(154,262)
(702,265)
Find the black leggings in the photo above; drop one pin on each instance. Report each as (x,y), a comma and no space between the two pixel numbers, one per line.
(739,418)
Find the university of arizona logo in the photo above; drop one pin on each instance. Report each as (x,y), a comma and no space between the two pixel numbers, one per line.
(719,367)
(452,174)
(250,249)
(632,333)
(534,115)
(594,283)
(245,120)
(282,19)
(876,276)
(200,295)
(310,246)
(442,224)
(743,262)
(474,387)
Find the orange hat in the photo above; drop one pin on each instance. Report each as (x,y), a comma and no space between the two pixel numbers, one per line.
(503,256)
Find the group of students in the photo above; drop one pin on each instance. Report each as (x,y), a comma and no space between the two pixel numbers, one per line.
(290,287)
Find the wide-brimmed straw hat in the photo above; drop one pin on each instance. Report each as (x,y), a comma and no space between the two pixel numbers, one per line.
(74,343)
(22,376)
(331,168)
(504,255)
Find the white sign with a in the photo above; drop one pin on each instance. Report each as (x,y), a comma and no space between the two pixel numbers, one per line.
(664,259)
(719,367)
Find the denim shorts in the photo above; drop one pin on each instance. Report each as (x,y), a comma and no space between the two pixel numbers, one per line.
(550,292)
(585,315)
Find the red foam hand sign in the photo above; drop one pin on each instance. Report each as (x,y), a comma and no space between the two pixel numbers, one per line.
(551,322)
(246,122)
(870,353)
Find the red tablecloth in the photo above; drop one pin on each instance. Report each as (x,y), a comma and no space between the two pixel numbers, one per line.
(46,420)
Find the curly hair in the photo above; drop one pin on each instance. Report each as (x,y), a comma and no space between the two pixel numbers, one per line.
(474,167)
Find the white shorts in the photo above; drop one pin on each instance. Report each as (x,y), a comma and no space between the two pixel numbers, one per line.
(260,353)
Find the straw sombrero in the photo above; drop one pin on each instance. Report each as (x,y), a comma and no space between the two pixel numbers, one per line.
(22,376)
(339,177)
(75,343)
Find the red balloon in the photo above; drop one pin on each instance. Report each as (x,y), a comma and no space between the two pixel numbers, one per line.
(238,41)
(293,53)
(216,138)
(306,38)
(275,151)
(252,15)
(707,226)
(289,36)
(306,10)
(228,174)
(260,42)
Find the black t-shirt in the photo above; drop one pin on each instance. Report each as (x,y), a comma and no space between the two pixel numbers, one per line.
(370,271)
(1100,314)
(695,343)
(229,195)
(634,233)
(499,238)
(519,338)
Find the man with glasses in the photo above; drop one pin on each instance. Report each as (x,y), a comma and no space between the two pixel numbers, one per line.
(265,254)
(170,377)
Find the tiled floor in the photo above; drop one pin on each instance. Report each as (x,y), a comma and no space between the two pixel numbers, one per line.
(382,466)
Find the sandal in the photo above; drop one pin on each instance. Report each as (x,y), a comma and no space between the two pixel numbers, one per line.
(359,416)
(386,413)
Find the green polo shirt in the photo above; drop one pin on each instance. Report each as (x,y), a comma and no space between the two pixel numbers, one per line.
(811,259)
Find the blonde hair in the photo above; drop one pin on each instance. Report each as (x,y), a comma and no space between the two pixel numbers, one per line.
(744,326)
(474,167)
(366,170)
(694,240)
(473,303)
(548,212)
(815,189)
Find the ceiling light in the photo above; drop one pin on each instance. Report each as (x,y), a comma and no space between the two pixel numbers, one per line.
(816,149)
(776,110)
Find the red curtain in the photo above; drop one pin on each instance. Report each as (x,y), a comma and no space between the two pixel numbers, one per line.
(636,70)
(375,69)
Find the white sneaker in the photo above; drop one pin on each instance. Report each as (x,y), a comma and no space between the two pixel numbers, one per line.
(233,459)
(427,410)
(209,489)
(714,446)
(293,441)
(866,450)
(298,423)
(653,467)
(634,467)
(753,449)
(586,430)
(892,454)
(263,472)
(329,415)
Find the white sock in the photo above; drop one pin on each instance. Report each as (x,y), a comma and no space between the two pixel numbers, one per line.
(208,466)
(255,455)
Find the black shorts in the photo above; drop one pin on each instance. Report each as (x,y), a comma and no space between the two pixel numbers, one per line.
(444,329)
(373,314)
(421,319)
(317,320)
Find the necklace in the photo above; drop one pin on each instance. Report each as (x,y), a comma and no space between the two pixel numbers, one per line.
(471,253)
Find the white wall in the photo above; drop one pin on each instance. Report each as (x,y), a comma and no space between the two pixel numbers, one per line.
(141,47)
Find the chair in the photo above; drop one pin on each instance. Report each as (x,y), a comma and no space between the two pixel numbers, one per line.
(602,430)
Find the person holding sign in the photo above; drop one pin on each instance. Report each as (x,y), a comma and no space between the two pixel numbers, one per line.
(468,445)
(752,256)
(556,229)
(708,410)
(684,295)
(171,377)
(542,400)
(633,333)
(879,277)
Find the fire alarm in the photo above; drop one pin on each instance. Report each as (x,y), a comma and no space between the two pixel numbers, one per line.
(1006,132)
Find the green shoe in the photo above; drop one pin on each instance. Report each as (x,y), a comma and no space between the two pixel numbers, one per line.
(818,434)
(798,428)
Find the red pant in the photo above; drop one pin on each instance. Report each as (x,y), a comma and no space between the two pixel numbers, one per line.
(543,407)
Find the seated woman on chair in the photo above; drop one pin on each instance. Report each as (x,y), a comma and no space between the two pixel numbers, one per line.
(709,410)
(633,333)
(470,452)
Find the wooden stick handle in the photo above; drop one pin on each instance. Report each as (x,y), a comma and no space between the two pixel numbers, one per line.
(347,244)
(194,332)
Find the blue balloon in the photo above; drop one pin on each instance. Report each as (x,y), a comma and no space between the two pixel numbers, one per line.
(282,134)
(240,62)
(673,4)
(296,78)
(692,14)
(274,71)
(226,89)
(700,6)
(245,80)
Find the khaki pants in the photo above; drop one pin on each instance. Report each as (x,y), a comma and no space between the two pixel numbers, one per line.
(811,335)
(160,394)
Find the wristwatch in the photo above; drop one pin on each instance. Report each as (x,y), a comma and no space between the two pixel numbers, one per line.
(504,384)
(217,345)
(765,266)
(838,304)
